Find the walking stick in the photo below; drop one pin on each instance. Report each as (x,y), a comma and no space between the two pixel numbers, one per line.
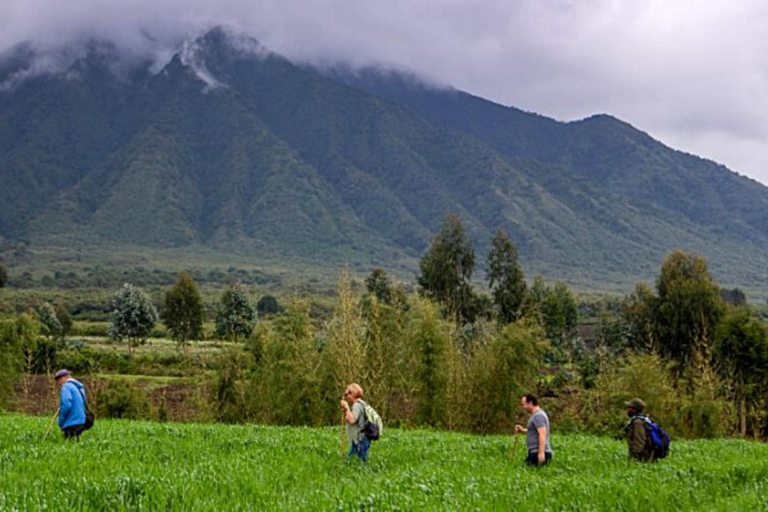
(50,424)
(341,435)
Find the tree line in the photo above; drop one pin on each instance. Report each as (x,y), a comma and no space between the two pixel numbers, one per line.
(453,357)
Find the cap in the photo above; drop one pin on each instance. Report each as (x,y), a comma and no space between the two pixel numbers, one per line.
(61,373)
(636,403)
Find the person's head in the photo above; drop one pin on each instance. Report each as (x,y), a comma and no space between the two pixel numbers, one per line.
(634,407)
(529,402)
(353,392)
(62,376)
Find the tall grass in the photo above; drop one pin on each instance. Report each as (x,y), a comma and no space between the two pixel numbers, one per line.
(123,465)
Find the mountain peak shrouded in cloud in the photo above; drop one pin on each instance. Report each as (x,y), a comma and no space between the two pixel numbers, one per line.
(694,76)
(226,145)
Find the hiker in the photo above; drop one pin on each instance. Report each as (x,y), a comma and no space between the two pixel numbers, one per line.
(537,439)
(356,421)
(71,405)
(637,435)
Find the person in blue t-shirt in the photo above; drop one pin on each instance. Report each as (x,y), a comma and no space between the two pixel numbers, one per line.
(71,405)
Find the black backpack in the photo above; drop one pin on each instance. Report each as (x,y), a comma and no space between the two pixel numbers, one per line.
(89,417)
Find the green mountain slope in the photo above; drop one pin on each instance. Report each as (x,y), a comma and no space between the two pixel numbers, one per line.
(238,149)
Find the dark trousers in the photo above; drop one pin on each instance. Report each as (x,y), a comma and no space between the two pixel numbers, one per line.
(533,459)
(73,432)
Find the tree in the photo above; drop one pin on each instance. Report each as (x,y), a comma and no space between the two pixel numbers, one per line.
(558,312)
(15,333)
(3,275)
(741,348)
(65,319)
(505,279)
(380,285)
(50,326)
(133,316)
(183,313)
(638,312)
(688,308)
(267,305)
(235,318)
(446,269)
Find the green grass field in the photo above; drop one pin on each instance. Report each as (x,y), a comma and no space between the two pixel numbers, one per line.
(122,465)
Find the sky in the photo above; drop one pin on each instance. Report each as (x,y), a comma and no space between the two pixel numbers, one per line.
(693,74)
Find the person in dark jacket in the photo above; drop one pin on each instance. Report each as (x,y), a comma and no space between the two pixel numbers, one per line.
(637,436)
(71,405)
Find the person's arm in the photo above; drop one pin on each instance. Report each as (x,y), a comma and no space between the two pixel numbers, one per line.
(351,419)
(637,438)
(65,404)
(542,443)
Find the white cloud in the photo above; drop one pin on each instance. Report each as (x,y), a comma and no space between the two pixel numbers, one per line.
(694,74)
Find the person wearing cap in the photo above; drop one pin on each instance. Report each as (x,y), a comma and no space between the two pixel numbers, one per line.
(637,436)
(71,405)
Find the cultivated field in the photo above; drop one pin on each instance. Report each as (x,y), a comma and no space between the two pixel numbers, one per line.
(122,465)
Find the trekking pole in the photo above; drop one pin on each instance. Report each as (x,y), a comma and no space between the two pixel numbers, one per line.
(341,435)
(50,424)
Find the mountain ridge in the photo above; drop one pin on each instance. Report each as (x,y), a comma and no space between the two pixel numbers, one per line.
(232,146)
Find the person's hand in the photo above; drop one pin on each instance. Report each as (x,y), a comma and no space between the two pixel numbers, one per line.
(344,405)
(542,458)
(519,428)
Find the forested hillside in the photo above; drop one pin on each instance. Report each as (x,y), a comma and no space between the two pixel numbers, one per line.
(235,148)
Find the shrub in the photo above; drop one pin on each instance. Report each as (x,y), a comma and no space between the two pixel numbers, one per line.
(120,399)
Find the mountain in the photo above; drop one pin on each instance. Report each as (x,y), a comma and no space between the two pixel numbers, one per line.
(234,148)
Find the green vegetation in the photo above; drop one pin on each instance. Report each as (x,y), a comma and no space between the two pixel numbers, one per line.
(289,167)
(183,311)
(122,465)
(133,317)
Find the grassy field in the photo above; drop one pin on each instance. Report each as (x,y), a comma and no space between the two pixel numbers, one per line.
(122,465)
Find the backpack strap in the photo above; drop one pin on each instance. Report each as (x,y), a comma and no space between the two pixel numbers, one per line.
(85,402)
(365,413)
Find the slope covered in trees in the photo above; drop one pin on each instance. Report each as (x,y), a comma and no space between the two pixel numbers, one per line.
(235,148)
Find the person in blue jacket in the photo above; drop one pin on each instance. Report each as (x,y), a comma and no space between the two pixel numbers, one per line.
(71,405)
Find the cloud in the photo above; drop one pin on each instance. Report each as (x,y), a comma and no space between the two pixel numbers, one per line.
(693,74)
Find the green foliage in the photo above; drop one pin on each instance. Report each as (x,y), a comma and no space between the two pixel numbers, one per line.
(695,412)
(505,278)
(502,371)
(741,350)
(15,334)
(429,336)
(50,326)
(446,269)
(119,399)
(267,305)
(229,387)
(183,312)
(133,316)
(64,318)
(235,317)
(379,284)
(688,307)
(638,312)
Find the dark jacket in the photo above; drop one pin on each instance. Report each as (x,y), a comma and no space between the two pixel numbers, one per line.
(637,439)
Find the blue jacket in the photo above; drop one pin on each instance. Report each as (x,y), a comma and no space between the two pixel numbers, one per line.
(71,404)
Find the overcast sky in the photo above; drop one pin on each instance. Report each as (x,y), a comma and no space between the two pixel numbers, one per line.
(693,74)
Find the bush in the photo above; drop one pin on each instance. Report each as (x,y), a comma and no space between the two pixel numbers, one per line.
(120,399)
